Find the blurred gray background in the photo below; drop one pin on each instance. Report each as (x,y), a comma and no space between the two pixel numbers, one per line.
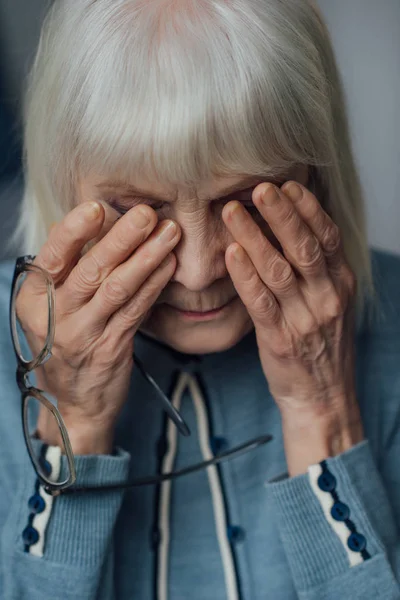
(366,37)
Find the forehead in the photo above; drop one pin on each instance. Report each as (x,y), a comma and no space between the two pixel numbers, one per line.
(210,188)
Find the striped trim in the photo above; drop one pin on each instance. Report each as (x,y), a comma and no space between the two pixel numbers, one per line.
(41,520)
(220,515)
(327,500)
(165,493)
(186,380)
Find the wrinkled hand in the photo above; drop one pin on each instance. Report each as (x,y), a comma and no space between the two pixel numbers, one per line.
(302,303)
(101,298)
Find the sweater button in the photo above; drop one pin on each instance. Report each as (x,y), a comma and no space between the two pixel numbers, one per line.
(340,511)
(30,536)
(36,503)
(327,482)
(218,445)
(236,534)
(357,542)
(46,466)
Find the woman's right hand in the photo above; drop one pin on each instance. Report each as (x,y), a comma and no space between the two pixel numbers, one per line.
(102,297)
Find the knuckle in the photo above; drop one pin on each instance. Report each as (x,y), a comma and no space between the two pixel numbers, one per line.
(312,327)
(280,272)
(38,323)
(334,307)
(32,312)
(309,252)
(284,348)
(34,322)
(289,219)
(75,342)
(115,291)
(310,330)
(263,304)
(71,340)
(54,256)
(127,319)
(331,239)
(89,270)
(132,313)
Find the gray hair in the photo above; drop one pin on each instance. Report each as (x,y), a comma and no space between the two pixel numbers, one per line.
(177,95)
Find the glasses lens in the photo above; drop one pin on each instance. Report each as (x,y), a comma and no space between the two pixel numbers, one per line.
(31,288)
(37,412)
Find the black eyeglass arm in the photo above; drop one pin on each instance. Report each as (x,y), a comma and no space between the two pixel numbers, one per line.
(152,480)
(168,407)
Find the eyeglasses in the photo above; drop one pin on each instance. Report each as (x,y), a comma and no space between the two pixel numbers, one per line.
(35,401)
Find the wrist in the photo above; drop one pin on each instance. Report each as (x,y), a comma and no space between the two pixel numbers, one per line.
(91,442)
(310,438)
(84,439)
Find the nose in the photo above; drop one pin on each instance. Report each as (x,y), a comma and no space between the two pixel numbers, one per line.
(200,259)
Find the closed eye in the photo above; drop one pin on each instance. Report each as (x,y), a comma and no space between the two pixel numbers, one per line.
(124,209)
(244,196)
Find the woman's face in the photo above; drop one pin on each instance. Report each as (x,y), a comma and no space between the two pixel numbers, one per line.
(201,282)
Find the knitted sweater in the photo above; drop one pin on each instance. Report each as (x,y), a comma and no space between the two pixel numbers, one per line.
(242,530)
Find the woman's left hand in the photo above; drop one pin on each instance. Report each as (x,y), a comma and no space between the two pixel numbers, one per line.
(303,306)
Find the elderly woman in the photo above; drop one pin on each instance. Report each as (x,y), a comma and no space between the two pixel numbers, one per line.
(194,240)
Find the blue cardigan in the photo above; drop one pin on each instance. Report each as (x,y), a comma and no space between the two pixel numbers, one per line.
(243,530)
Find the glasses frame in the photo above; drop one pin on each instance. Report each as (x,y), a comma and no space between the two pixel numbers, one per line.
(25,264)
(24,367)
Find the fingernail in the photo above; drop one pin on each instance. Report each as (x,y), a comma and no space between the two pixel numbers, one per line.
(167,232)
(168,259)
(295,192)
(238,254)
(236,214)
(141,218)
(91,210)
(270,196)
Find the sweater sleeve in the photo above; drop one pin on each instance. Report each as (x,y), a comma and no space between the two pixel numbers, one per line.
(61,547)
(339,530)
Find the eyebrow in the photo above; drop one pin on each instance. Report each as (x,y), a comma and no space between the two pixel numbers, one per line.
(131,190)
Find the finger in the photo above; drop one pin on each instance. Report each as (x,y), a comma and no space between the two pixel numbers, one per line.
(271,266)
(112,216)
(319,222)
(125,281)
(301,246)
(258,299)
(273,269)
(328,234)
(115,247)
(341,285)
(67,238)
(131,315)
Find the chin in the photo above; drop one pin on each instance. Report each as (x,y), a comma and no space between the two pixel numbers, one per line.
(206,337)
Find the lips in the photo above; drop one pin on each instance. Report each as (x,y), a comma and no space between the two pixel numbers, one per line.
(200,312)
